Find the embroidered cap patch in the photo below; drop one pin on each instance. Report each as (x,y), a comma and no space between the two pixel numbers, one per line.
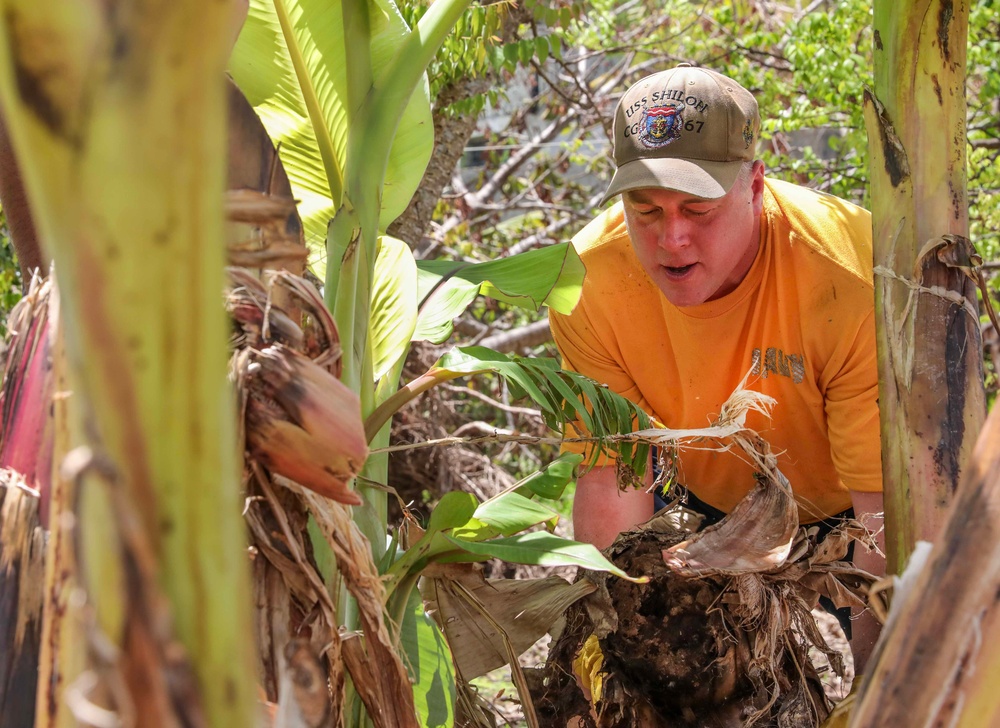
(660,125)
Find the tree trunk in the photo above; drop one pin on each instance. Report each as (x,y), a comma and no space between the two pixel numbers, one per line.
(931,391)
(938,664)
(116,115)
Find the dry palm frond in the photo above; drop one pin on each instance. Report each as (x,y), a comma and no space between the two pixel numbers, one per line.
(22,548)
(26,439)
(375,666)
(303,434)
(304,441)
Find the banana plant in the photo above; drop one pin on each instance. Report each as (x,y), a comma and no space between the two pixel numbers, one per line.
(120,136)
(341,89)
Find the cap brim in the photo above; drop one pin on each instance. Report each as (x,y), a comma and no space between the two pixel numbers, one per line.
(701,179)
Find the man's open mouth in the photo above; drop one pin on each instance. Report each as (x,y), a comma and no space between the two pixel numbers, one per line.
(678,270)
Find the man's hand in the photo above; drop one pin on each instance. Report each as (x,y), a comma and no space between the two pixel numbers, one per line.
(601,511)
(868,509)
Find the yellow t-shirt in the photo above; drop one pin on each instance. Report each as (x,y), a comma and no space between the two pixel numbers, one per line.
(802,321)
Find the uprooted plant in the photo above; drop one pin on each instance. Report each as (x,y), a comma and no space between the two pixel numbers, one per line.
(721,633)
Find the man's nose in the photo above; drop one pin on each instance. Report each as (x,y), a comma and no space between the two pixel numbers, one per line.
(674,235)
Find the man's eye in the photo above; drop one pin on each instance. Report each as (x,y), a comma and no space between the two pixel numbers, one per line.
(698,213)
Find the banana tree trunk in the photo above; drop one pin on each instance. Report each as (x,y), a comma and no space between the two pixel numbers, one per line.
(117,114)
(929,343)
(938,664)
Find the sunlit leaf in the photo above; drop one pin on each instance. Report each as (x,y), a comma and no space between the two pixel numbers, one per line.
(551,481)
(505,515)
(551,276)
(543,549)
(446,302)
(394,304)
(290,62)
(453,510)
(429,662)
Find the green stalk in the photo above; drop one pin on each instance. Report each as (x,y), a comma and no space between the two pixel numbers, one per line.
(372,127)
(405,394)
(118,122)
(378,121)
(352,237)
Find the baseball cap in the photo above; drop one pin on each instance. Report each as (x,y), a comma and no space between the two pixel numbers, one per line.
(686,128)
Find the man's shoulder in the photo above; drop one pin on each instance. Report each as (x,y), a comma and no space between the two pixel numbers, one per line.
(604,235)
(817,222)
(607,253)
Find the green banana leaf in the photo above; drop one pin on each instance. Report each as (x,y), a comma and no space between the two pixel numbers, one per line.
(291,63)
(394,304)
(550,276)
(429,662)
(453,510)
(505,515)
(459,531)
(551,481)
(543,549)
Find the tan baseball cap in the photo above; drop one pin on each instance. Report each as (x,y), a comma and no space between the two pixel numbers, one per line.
(687,129)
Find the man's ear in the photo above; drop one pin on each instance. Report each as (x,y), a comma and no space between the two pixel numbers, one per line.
(757,187)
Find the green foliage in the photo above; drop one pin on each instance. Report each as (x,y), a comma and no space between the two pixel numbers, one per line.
(429,662)
(496,39)
(394,305)
(290,62)
(336,102)
(541,549)
(984,127)
(551,276)
(563,396)
(551,481)
(10,276)
(462,529)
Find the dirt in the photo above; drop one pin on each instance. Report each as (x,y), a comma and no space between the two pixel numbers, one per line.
(703,652)
(691,632)
(497,688)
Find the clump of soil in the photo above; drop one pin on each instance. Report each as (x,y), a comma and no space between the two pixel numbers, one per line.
(680,650)
(689,632)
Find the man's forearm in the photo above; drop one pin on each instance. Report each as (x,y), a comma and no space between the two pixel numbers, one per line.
(601,511)
(868,509)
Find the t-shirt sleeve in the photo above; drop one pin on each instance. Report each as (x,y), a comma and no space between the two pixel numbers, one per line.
(852,411)
(582,350)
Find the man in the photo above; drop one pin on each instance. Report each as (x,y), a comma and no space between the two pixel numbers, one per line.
(705,271)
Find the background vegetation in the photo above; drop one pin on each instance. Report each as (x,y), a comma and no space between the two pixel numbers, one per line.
(522,97)
(532,98)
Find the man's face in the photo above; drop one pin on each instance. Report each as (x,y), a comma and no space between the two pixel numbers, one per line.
(696,249)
